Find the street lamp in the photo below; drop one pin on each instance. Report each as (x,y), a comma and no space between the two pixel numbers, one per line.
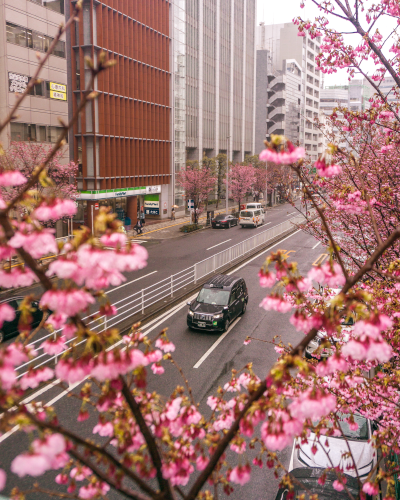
(227,176)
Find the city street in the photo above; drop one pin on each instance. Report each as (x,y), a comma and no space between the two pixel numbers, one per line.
(205,358)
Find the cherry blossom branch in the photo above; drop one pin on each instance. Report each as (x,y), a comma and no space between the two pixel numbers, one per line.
(324,222)
(150,441)
(61,30)
(93,449)
(185,380)
(106,478)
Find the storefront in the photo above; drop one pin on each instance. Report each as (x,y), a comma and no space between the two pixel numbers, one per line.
(129,204)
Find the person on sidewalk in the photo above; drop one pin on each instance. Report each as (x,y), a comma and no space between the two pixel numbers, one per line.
(173,213)
(138,226)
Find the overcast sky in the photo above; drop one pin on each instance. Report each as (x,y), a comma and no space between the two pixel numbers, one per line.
(283,11)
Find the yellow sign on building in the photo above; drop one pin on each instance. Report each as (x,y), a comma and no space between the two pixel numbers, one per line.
(58,91)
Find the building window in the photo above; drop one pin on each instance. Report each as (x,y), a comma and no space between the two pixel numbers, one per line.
(56,5)
(16,34)
(22,132)
(33,39)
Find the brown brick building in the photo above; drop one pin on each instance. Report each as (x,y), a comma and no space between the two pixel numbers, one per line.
(122,141)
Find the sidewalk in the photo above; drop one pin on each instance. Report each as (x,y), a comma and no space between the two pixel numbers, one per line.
(180,221)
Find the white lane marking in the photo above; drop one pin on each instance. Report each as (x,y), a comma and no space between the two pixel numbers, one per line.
(219,244)
(291,214)
(165,316)
(205,355)
(315,246)
(133,281)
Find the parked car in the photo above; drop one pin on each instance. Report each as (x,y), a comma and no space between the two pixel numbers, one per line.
(251,217)
(221,300)
(306,483)
(10,328)
(336,449)
(224,220)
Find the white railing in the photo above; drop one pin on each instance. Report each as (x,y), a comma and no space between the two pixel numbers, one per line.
(139,301)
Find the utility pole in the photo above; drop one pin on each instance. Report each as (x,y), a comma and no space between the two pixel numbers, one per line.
(227,176)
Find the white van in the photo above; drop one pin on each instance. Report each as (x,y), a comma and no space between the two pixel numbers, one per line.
(251,217)
(254,206)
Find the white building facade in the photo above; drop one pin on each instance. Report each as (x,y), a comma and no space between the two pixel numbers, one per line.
(283,44)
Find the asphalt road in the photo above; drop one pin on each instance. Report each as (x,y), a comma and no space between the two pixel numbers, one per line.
(205,358)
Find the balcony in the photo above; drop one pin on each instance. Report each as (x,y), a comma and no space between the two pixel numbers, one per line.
(279,99)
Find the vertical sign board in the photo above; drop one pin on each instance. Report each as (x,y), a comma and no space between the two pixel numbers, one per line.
(152,204)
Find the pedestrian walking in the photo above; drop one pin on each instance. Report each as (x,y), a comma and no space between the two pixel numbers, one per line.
(173,213)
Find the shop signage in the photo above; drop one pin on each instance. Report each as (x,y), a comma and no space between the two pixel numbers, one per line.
(152,207)
(96,206)
(153,189)
(17,83)
(110,193)
(58,91)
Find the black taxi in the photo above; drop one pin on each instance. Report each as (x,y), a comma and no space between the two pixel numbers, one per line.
(222,299)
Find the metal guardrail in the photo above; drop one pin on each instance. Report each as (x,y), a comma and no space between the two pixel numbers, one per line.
(139,301)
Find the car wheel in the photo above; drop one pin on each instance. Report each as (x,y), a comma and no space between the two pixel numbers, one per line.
(229,225)
(226,325)
(244,307)
(1,337)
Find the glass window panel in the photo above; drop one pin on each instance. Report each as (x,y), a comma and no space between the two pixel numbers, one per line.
(38,41)
(56,5)
(59,49)
(42,133)
(19,131)
(16,34)
(32,133)
(29,39)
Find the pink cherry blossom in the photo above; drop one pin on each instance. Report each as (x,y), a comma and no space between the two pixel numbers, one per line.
(33,378)
(61,479)
(7,313)
(55,210)
(17,277)
(157,369)
(8,377)
(12,178)
(267,280)
(93,491)
(68,302)
(80,473)
(240,474)
(72,371)
(54,346)
(165,345)
(370,488)
(312,406)
(201,462)
(37,243)
(338,485)
(328,274)
(69,331)
(30,464)
(114,240)
(274,303)
(104,429)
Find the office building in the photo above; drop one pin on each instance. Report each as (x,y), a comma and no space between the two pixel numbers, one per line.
(27,27)
(220,78)
(334,96)
(122,141)
(288,50)
(360,92)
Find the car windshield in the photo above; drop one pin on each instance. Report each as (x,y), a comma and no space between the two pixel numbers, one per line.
(221,217)
(361,433)
(213,296)
(246,214)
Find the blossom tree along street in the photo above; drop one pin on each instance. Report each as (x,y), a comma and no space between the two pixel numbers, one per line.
(197,183)
(241,179)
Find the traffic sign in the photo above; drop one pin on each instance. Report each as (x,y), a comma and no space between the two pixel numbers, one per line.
(96,206)
(190,204)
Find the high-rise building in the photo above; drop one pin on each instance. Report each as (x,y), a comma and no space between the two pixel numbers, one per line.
(334,96)
(28,27)
(389,88)
(220,78)
(278,99)
(123,139)
(283,43)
